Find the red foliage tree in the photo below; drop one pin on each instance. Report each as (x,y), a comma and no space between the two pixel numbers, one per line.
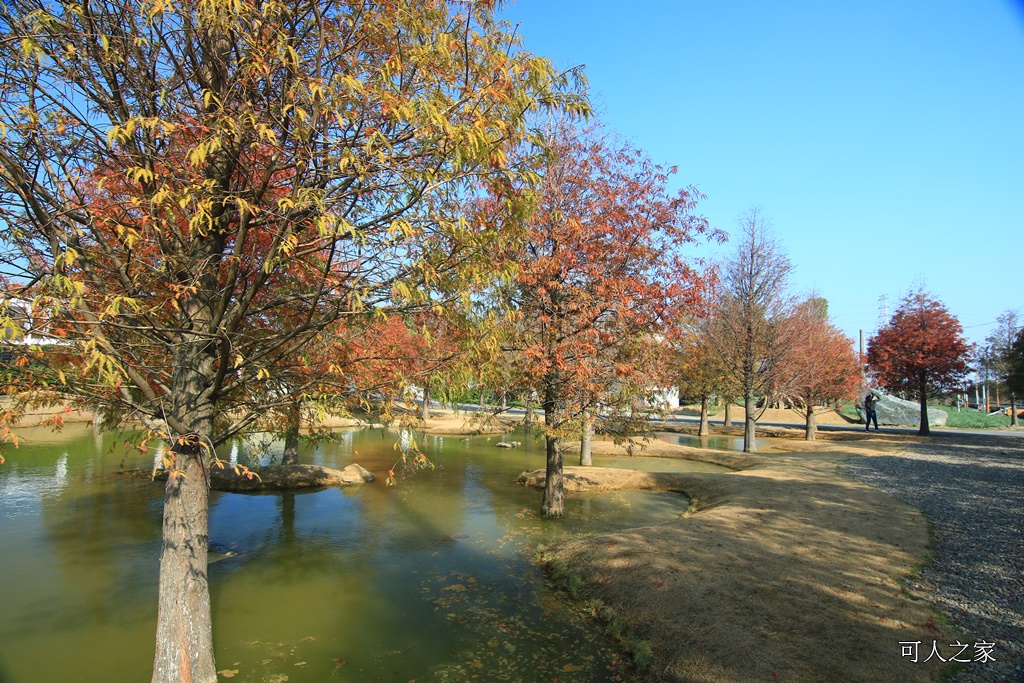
(698,369)
(355,364)
(601,277)
(819,366)
(921,351)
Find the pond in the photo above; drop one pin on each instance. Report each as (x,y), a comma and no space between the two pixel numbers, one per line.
(431,580)
(714,442)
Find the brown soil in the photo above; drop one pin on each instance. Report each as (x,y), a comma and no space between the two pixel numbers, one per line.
(445,422)
(789,416)
(823,416)
(441,422)
(45,415)
(784,570)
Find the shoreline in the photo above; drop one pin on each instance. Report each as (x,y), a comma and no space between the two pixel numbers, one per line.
(783,570)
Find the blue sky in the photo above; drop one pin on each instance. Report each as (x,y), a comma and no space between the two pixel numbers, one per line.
(884,140)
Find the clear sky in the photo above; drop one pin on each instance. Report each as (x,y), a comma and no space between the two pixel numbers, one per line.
(883,139)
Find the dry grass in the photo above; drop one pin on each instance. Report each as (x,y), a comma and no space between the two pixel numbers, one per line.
(444,423)
(45,414)
(784,571)
(823,416)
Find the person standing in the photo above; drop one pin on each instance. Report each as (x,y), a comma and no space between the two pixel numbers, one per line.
(869,410)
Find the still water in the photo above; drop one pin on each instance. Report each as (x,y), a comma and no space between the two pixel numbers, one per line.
(430,580)
(717,442)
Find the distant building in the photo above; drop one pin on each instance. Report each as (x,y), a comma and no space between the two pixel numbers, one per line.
(25,327)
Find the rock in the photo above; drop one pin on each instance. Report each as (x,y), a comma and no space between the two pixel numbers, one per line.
(356,474)
(898,412)
(508,444)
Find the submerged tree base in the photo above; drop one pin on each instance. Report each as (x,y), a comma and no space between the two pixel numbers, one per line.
(275,478)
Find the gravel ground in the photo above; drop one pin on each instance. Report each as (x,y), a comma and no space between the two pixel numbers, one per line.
(972,489)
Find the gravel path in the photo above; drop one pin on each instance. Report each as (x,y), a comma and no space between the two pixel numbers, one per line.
(972,489)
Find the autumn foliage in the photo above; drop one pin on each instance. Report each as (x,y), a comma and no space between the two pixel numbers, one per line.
(192,193)
(697,366)
(602,277)
(819,366)
(921,351)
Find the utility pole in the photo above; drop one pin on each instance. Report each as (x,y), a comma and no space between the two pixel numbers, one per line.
(860,360)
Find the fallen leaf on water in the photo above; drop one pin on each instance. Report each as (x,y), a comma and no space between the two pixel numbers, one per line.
(228,673)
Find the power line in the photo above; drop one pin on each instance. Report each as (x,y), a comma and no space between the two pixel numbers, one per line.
(994,322)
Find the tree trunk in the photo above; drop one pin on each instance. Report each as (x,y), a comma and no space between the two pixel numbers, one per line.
(528,418)
(480,406)
(184,635)
(426,400)
(287,504)
(728,414)
(922,392)
(586,437)
(749,424)
(704,429)
(553,504)
(291,437)
(504,400)
(1013,410)
(184,629)
(811,432)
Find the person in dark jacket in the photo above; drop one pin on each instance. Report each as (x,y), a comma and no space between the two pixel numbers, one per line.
(869,410)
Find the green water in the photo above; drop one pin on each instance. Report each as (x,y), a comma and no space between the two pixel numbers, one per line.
(429,581)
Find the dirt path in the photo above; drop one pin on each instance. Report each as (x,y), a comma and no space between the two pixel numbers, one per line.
(785,571)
